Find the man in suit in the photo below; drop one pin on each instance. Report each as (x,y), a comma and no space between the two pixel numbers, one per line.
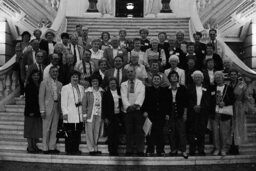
(66,69)
(198,110)
(37,65)
(76,49)
(117,72)
(133,95)
(218,47)
(48,44)
(49,102)
(200,49)
(156,108)
(111,53)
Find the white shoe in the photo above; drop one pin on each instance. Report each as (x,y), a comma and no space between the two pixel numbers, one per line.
(216,152)
(223,153)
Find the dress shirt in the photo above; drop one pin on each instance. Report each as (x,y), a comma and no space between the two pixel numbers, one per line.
(211,76)
(199,94)
(116,98)
(54,89)
(97,55)
(120,75)
(174,92)
(51,48)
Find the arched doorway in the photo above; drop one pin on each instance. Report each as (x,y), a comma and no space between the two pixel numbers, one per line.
(123,11)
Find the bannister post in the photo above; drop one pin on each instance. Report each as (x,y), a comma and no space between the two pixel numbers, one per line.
(92,6)
(166,6)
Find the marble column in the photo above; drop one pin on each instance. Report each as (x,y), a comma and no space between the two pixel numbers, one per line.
(166,6)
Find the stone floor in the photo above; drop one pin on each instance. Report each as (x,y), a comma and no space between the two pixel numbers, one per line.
(20,166)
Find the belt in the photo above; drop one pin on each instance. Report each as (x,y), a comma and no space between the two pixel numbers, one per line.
(56,101)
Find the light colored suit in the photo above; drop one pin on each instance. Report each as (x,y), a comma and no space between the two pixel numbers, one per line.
(139,91)
(181,73)
(68,100)
(52,110)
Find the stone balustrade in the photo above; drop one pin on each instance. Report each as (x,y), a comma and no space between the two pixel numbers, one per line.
(8,82)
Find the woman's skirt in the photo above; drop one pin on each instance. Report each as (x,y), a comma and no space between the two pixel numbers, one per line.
(32,127)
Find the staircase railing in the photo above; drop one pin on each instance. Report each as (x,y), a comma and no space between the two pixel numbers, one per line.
(9,84)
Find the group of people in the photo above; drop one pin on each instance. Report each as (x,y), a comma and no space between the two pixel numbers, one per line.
(181,87)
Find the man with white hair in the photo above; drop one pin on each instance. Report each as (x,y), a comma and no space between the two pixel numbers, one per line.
(133,95)
(198,109)
(173,61)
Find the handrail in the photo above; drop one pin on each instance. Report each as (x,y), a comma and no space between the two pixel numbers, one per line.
(9,86)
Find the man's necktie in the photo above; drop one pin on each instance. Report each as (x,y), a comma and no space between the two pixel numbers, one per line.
(75,60)
(118,76)
(132,87)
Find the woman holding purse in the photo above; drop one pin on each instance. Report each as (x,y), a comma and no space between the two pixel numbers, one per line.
(224,98)
(71,105)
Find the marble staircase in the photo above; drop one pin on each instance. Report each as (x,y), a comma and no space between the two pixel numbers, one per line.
(13,147)
(132,26)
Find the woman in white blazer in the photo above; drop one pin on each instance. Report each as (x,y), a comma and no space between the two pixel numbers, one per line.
(71,105)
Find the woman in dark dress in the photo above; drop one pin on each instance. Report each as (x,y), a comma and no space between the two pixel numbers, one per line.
(33,121)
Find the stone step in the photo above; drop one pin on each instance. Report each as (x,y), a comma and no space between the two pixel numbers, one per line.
(22,156)
(83,20)
(104,148)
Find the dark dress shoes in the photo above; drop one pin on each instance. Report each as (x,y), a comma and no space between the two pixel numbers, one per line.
(32,151)
(185,155)
(46,152)
(55,151)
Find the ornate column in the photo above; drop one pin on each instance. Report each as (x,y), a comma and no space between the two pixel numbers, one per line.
(92,6)
(166,6)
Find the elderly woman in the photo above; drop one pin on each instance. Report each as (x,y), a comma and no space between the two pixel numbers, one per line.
(112,115)
(174,60)
(71,105)
(97,54)
(239,131)
(145,43)
(154,53)
(137,50)
(105,40)
(223,97)
(33,120)
(19,66)
(92,111)
(198,109)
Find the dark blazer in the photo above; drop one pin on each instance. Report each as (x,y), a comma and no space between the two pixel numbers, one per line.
(110,73)
(200,50)
(192,101)
(229,99)
(218,63)
(181,100)
(145,44)
(108,54)
(108,105)
(31,100)
(207,80)
(34,67)
(65,73)
(150,106)
(44,46)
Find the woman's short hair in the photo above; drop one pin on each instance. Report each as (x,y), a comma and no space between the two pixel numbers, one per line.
(197,72)
(64,35)
(219,73)
(174,58)
(154,40)
(96,77)
(75,72)
(112,79)
(173,73)
(96,40)
(144,30)
(105,32)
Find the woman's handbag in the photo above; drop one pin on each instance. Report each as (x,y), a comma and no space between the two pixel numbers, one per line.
(225,110)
